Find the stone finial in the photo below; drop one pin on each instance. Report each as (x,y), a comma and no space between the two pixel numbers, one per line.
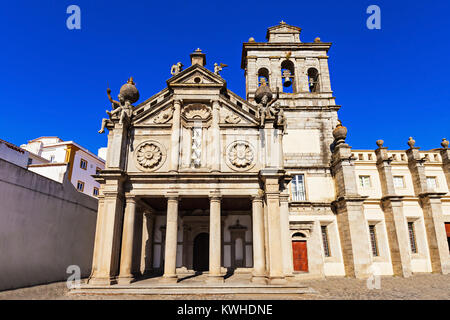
(129,92)
(380,143)
(251,39)
(198,57)
(445,143)
(317,40)
(411,142)
(282,22)
(339,133)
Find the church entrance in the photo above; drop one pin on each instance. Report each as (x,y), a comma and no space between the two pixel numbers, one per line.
(300,251)
(201,252)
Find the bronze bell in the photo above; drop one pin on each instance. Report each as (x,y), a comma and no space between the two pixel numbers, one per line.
(287,78)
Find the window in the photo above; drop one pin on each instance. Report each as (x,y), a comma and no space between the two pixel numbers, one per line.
(326,245)
(412,237)
(298,188)
(431,183)
(83,164)
(196,153)
(364,181)
(80,186)
(95,192)
(373,240)
(399,182)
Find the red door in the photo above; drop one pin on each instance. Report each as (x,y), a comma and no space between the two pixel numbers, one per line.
(300,252)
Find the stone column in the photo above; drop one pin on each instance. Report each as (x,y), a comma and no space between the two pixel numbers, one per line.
(216,148)
(259,258)
(286,241)
(175,137)
(126,256)
(147,243)
(271,179)
(170,256)
(215,245)
(105,262)
(348,206)
(396,223)
(430,201)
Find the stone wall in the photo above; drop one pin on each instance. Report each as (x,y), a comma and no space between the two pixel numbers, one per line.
(45,226)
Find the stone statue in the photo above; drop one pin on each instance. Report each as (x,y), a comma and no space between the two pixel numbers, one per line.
(281,118)
(128,94)
(263,96)
(219,67)
(176,69)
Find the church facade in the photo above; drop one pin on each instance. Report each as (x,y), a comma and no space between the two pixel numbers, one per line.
(198,179)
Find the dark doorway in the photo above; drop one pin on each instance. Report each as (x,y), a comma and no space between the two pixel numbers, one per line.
(447,230)
(201,252)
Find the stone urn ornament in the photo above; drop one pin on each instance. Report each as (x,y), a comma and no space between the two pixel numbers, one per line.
(445,143)
(380,143)
(340,133)
(411,142)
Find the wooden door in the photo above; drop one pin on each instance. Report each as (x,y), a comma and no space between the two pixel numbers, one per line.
(300,252)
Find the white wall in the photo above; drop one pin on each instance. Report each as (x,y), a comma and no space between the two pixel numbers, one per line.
(12,154)
(45,226)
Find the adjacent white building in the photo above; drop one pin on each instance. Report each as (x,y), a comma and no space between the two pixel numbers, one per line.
(60,156)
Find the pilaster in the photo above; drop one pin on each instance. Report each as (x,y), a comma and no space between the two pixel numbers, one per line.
(352,223)
(430,201)
(175,137)
(396,223)
(105,264)
(271,181)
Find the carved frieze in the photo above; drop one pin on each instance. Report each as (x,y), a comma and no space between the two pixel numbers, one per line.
(196,111)
(164,116)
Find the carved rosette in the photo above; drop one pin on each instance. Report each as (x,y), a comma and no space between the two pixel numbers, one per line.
(240,156)
(149,155)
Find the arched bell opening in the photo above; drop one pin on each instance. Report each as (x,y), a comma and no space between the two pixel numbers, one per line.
(313,80)
(263,76)
(288,76)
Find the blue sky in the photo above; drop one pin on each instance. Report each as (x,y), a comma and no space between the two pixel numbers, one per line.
(392,83)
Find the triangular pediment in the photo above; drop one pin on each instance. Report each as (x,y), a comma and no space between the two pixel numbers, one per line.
(196,75)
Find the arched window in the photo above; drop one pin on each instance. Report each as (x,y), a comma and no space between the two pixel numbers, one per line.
(263,73)
(313,80)
(287,76)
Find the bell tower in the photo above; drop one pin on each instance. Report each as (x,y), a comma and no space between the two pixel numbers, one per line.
(296,67)
(300,72)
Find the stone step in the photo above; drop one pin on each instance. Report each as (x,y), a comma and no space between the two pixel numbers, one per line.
(190,289)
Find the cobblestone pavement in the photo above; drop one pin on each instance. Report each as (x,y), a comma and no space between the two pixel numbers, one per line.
(428,287)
